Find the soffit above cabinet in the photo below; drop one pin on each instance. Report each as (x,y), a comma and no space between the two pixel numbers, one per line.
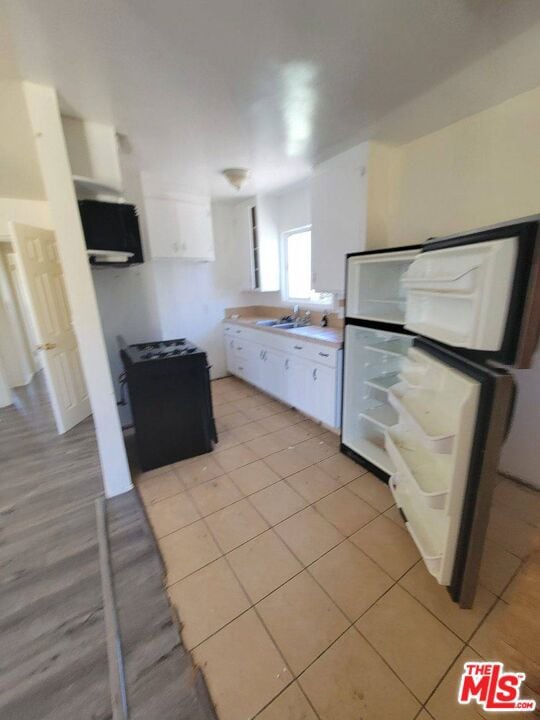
(339,212)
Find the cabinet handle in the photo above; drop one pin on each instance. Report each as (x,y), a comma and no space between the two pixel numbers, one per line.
(239,347)
(298,347)
(265,355)
(261,354)
(315,374)
(324,354)
(240,367)
(238,331)
(286,363)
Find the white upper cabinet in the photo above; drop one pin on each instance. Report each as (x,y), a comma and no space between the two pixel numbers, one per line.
(268,240)
(180,227)
(256,240)
(242,241)
(339,212)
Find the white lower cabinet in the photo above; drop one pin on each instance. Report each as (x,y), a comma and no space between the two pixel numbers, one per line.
(246,360)
(321,393)
(296,376)
(272,373)
(310,386)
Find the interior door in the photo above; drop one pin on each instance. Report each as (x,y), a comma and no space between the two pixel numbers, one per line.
(479,291)
(41,274)
(452,416)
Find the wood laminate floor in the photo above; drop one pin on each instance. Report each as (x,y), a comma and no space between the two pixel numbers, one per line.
(53,662)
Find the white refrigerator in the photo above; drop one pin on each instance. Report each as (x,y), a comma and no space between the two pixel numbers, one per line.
(427,400)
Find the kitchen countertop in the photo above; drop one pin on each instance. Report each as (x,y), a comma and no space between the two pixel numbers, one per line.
(312,333)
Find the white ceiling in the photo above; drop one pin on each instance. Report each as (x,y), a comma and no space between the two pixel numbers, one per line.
(273,85)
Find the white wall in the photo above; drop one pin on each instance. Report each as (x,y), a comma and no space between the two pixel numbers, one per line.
(20,176)
(14,350)
(44,115)
(126,297)
(5,392)
(30,212)
(127,307)
(479,171)
(192,297)
(520,455)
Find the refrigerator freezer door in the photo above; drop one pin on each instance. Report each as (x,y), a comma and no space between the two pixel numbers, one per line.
(479,292)
(452,415)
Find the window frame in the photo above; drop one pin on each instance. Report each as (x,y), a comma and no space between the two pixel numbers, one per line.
(284,270)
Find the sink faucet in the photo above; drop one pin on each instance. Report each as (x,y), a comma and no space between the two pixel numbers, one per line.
(300,321)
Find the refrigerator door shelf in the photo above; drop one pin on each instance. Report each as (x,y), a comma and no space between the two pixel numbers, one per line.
(426,526)
(429,473)
(421,410)
(424,277)
(412,373)
(469,310)
(479,291)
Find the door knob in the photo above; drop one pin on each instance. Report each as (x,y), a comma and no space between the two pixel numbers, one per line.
(46,346)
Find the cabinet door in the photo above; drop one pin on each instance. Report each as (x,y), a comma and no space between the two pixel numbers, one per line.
(229,353)
(195,223)
(296,382)
(322,391)
(163,227)
(247,355)
(272,378)
(339,195)
(268,243)
(242,241)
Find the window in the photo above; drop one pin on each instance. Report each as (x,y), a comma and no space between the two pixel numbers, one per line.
(297,269)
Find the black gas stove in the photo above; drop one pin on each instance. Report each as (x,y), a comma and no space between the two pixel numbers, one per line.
(141,352)
(169,391)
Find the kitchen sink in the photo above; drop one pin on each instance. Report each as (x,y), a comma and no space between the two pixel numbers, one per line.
(276,324)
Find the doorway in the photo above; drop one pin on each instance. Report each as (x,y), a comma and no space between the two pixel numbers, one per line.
(36,316)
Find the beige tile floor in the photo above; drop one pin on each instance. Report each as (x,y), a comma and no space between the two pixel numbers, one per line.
(298,589)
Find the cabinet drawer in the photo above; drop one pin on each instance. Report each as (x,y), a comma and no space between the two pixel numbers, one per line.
(323,354)
(246,333)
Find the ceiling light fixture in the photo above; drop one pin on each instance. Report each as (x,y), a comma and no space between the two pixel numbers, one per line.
(236,176)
